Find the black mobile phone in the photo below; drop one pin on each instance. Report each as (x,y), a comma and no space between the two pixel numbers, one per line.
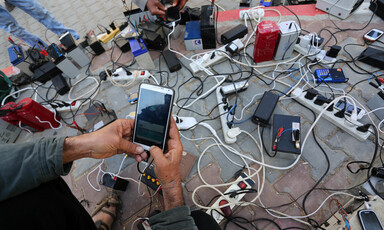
(153,112)
(369,220)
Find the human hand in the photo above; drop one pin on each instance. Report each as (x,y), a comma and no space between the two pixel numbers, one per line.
(113,139)
(167,168)
(155,7)
(179,3)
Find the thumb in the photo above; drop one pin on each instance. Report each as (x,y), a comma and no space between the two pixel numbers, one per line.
(130,148)
(156,153)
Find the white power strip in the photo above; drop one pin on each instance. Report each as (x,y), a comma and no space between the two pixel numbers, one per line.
(248,184)
(73,106)
(214,57)
(121,75)
(244,14)
(312,52)
(223,109)
(342,123)
(185,123)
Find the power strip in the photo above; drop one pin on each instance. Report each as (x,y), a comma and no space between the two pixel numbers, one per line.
(245,184)
(121,75)
(312,52)
(73,106)
(342,123)
(244,14)
(224,109)
(214,57)
(185,123)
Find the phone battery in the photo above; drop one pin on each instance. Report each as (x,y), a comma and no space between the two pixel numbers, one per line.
(330,75)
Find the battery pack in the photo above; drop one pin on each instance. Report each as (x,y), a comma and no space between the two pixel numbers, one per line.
(238,31)
(330,75)
(60,84)
(265,109)
(172,61)
(265,41)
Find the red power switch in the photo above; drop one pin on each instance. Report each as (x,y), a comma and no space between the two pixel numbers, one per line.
(142,73)
(242,185)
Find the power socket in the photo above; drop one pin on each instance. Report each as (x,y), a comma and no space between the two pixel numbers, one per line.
(75,105)
(224,109)
(312,52)
(245,184)
(185,123)
(342,123)
(122,75)
(244,14)
(214,57)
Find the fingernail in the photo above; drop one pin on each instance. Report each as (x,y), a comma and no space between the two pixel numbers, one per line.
(139,149)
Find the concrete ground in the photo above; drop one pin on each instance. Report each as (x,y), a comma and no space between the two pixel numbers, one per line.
(281,187)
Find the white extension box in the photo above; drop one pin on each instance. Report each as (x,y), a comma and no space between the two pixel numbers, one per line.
(339,8)
(288,34)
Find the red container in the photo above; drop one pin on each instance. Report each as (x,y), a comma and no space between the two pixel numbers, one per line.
(11,117)
(34,112)
(265,41)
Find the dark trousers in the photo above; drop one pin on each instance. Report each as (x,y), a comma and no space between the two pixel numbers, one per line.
(52,206)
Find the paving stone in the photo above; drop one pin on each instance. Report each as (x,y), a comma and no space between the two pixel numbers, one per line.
(351,146)
(113,163)
(84,165)
(187,162)
(290,184)
(324,129)
(210,175)
(315,157)
(342,179)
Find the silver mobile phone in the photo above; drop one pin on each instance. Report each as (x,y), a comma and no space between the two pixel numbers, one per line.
(153,111)
(369,220)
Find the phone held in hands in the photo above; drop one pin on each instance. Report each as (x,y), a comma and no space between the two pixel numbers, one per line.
(153,113)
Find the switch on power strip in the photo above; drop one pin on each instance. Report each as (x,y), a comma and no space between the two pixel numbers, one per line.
(239,185)
(123,75)
(214,57)
(348,126)
(224,109)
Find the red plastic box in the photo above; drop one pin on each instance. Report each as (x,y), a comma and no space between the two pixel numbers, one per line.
(265,42)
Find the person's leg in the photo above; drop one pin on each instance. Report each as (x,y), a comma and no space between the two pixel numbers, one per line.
(10,25)
(41,14)
(204,221)
(49,206)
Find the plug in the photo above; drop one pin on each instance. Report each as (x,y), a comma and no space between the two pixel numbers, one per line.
(340,114)
(311,93)
(363,128)
(330,108)
(354,114)
(233,133)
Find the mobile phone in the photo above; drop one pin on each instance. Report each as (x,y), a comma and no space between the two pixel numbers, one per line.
(153,111)
(340,105)
(369,220)
(373,35)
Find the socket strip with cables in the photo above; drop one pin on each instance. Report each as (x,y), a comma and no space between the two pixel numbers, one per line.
(348,124)
(224,109)
(312,52)
(211,58)
(122,74)
(64,107)
(185,123)
(241,184)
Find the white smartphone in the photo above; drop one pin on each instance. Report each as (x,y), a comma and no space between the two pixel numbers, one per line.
(153,111)
(373,35)
(369,220)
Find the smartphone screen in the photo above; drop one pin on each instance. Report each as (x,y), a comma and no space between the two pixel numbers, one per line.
(374,34)
(369,220)
(153,112)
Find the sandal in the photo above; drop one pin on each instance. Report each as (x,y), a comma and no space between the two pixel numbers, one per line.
(104,206)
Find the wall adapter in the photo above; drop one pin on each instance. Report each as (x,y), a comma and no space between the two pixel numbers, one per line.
(172,61)
(265,108)
(238,31)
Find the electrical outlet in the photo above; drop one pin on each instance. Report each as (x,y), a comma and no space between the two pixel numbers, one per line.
(240,181)
(312,52)
(213,57)
(244,14)
(223,109)
(66,108)
(348,126)
(121,75)
(185,123)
